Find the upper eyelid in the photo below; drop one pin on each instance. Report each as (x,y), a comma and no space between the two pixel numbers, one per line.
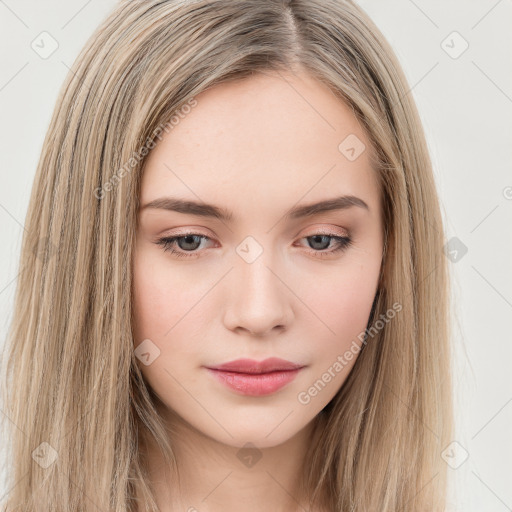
(313,231)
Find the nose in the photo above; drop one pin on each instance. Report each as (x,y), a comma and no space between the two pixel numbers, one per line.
(259,300)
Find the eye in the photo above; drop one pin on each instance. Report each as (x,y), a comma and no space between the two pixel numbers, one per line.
(188,243)
(322,241)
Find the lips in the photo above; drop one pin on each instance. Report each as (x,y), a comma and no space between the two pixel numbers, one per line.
(255,378)
(250,366)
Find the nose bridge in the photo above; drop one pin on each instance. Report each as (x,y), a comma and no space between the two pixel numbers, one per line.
(258,299)
(257,277)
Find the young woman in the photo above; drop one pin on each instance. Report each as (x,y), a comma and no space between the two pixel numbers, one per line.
(233,293)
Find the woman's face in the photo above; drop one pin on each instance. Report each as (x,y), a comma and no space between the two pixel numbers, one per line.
(270,279)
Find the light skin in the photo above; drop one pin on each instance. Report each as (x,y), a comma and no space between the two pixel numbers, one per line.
(257,148)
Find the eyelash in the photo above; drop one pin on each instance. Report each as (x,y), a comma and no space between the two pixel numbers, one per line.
(168,242)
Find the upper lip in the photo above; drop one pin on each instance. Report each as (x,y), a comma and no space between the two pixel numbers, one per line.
(271,364)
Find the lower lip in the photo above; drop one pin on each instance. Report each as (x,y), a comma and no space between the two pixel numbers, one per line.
(255,384)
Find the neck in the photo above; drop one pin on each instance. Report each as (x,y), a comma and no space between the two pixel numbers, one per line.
(215,477)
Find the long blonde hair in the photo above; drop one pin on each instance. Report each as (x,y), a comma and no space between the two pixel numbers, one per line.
(77,410)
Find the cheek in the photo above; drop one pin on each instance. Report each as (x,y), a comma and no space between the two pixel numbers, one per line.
(341,300)
(343,304)
(160,315)
(161,297)
(169,310)
(352,304)
(151,297)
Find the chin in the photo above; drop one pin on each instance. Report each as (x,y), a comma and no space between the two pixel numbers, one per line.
(261,432)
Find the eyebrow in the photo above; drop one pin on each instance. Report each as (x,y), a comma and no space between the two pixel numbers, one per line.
(209,210)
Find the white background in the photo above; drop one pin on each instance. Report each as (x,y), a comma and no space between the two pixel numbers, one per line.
(466,106)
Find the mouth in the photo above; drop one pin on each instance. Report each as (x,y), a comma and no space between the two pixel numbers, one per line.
(253,378)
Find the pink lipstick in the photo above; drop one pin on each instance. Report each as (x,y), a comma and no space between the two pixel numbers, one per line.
(256,378)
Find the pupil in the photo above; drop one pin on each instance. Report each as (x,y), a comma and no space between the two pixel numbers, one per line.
(189,239)
(318,239)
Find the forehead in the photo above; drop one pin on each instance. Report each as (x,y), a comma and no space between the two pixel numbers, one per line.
(274,137)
